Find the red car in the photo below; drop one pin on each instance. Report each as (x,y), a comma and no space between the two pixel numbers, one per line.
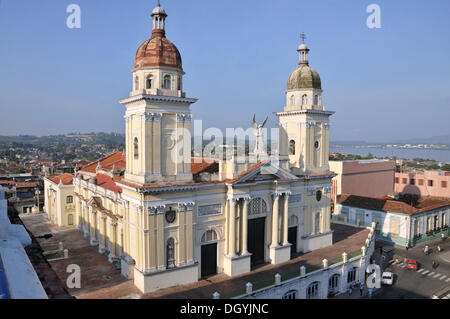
(412,264)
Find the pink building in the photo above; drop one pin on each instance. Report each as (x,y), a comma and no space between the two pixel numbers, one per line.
(423,183)
(368,178)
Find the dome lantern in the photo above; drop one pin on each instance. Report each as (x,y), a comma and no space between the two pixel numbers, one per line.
(303,50)
(159,19)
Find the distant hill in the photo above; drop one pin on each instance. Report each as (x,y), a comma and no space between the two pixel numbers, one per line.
(95,138)
(444,140)
(438,140)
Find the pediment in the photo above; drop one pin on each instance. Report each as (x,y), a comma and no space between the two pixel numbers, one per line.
(266,172)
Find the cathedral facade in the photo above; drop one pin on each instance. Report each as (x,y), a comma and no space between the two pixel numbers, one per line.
(169,219)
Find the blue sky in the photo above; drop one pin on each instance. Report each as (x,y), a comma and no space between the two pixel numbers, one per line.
(385,84)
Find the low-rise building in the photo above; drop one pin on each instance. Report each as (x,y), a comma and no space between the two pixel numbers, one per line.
(372,178)
(59,199)
(406,221)
(423,183)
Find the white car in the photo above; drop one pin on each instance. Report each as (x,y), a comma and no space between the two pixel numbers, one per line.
(387,279)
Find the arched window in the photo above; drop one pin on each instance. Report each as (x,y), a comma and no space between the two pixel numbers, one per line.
(317,223)
(292,147)
(316,100)
(149,82)
(293,221)
(333,283)
(70,220)
(179,83)
(257,206)
(69,200)
(136,148)
(312,292)
(209,236)
(290,295)
(166,84)
(304,99)
(136,83)
(293,100)
(171,253)
(351,276)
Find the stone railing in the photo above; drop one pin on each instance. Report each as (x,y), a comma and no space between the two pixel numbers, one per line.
(319,276)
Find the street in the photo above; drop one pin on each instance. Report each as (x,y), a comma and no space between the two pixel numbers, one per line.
(421,284)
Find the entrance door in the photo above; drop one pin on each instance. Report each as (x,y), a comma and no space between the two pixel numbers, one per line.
(256,240)
(209,260)
(292,239)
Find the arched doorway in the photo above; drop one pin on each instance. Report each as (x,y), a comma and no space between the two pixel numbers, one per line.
(256,230)
(209,254)
(292,234)
(70,220)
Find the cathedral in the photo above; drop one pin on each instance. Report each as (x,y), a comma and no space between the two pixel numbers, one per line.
(170,219)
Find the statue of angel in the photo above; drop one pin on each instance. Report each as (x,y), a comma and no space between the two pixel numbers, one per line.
(258,131)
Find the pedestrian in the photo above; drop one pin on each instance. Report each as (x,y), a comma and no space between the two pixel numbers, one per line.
(443,236)
(433,263)
(350,291)
(370,293)
(361,289)
(439,248)
(407,247)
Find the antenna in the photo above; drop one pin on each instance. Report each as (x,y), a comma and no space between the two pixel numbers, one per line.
(303,37)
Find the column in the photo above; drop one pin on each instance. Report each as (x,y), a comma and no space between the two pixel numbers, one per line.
(152,235)
(182,234)
(156,145)
(179,146)
(275,214)
(245,226)
(161,245)
(190,235)
(232,237)
(187,143)
(286,219)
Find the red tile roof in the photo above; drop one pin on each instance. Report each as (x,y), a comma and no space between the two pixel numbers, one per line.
(26,185)
(200,165)
(108,183)
(7,182)
(193,184)
(67,179)
(118,159)
(422,204)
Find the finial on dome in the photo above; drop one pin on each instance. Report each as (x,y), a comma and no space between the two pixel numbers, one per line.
(303,37)
(159,19)
(303,50)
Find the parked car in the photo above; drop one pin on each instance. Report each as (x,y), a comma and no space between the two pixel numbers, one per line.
(387,279)
(412,264)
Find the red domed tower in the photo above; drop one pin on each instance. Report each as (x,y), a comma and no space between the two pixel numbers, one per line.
(158,115)
(158,68)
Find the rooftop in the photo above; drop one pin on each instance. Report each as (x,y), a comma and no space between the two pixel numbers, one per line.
(407,204)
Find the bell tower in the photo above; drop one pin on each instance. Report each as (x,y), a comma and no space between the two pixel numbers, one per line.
(158,116)
(304,124)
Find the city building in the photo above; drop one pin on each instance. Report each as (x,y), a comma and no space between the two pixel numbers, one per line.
(370,178)
(405,221)
(169,219)
(423,183)
(60,199)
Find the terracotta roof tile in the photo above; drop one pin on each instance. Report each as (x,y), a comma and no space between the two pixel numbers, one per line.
(422,204)
(67,179)
(200,165)
(117,158)
(26,185)
(108,183)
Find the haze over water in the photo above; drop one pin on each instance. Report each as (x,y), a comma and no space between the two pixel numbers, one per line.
(437,155)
